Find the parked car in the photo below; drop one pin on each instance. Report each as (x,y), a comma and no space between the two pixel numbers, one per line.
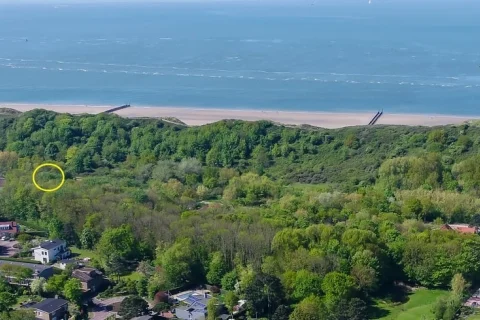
(3,238)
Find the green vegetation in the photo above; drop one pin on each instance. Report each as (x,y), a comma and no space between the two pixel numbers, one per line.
(303,223)
(419,304)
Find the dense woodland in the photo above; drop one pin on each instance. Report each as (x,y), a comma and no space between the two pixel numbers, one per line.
(304,223)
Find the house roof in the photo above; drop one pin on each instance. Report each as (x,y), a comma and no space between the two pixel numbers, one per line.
(86,274)
(32,266)
(50,305)
(50,244)
(463,228)
(8,227)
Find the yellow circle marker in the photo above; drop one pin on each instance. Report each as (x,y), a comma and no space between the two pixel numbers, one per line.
(48,165)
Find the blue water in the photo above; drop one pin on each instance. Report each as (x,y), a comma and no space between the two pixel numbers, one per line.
(413,57)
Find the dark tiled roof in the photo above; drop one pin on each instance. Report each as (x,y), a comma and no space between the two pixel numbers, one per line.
(82,276)
(86,274)
(32,266)
(50,305)
(51,244)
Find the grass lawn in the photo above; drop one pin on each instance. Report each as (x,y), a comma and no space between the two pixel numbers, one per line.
(132,276)
(417,307)
(84,253)
(475,316)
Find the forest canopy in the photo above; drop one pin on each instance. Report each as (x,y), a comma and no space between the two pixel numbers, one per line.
(326,220)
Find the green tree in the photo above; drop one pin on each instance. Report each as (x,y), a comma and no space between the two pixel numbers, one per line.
(282,313)
(306,284)
(56,283)
(229,280)
(132,307)
(73,291)
(337,286)
(88,238)
(118,242)
(231,300)
(38,286)
(178,262)
(7,300)
(141,286)
(213,309)
(311,308)
(459,285)
(18,315)
(216,269)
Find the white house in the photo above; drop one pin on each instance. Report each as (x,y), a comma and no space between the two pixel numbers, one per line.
(51,250)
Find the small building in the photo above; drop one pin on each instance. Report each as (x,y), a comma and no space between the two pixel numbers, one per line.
(462,228)
(193,305)
(51,309)
(62,264)
(51,250)
(9,229)
(91,279)
(2,182)
(38,271)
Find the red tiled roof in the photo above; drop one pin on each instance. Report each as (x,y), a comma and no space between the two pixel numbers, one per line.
(460,228)
(466,229)
(12,227)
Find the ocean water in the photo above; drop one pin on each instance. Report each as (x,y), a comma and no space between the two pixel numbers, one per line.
(397,55)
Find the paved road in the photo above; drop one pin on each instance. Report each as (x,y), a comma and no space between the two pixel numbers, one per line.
(7,249)
(100,315)
(99,312)
(107,302)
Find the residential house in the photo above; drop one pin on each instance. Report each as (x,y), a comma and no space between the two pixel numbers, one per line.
(38,271)
(91,279)
(462,228)
(62,264)
(9,229)
(50,251)
(192,304)
(51,309)
(2,182)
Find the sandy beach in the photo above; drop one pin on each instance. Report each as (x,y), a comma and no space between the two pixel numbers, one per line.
(198,116)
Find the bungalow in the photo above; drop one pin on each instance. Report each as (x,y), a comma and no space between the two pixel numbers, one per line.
(193,304)
(51,309)
(91,278)
(462,228)
(7,269)
(50,251)
(9,229)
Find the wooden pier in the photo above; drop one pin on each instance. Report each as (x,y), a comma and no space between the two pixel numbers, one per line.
(375,118)
(117,108)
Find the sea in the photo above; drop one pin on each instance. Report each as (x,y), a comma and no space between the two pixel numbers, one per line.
(402,56)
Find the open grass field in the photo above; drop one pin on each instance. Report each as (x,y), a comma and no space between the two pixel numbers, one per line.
(418,306)
(83,253)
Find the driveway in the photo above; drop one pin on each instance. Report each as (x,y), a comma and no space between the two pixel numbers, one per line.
(107,302)
(7,249)
(100,315)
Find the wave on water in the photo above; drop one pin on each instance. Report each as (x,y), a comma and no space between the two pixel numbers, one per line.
(166,71)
